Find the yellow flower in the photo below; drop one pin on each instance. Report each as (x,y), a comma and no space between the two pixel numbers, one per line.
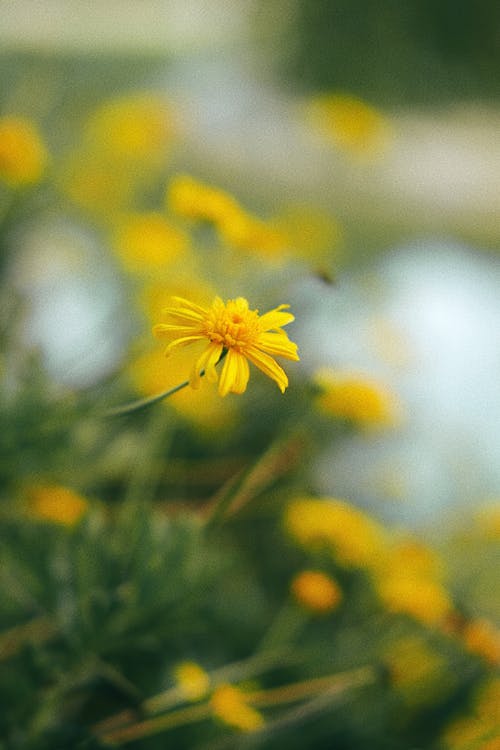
(420,597)
(353,125)
(310,234)
(138,127)
(356,398)
(413,557)
(234,328)
(58,504)
(23,156)
(316,591)
(246,232)
(230,706)
(192,680)
(193,199)
(483,638)
(148,241)
(487,521)
(99,186)
(418,672)
(409,581)
(353,537)
(480,728)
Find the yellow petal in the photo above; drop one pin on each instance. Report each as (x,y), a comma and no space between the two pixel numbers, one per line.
(275,319)
(167,329)
(268,366)
(278,344)
(190,305)
(235,374)
(206,361)
(184,341)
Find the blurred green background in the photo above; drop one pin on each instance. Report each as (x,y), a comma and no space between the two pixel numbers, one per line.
(359,145)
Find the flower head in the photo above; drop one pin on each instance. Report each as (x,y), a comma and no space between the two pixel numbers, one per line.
(192,680)
(351,124)
(23,156)
(146,241)
(316,592)
(354,539)
(233,328)
(57,504)
(230,705)
(357,399)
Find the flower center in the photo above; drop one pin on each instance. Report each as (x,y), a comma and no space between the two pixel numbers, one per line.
(232,324)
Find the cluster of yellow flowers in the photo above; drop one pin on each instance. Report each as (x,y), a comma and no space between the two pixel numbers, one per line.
(194,200)
(125,146)
(353,538)
(406,574)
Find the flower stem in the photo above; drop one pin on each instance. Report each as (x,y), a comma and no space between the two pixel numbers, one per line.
(143,403)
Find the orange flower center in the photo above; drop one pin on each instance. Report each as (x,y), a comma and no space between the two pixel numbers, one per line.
(233,325)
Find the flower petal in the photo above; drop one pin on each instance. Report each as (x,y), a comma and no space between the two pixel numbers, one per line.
(206,361)
(268,366)
(185,303)
(235,374)
(168,329)
(184,341)
(278,344)
(275,319)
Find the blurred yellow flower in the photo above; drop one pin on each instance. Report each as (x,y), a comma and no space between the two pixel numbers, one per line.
(23,156)
(421,597)
(352,125)
(233,328)
(192,199)
(417,671)
(195,200)
(352,537)
(146,241)
(409,581)
(481,637)
(412,556)
(247,232)
(230,706)
(138,127)
(310,234)
(192,680)
(480,729)
(96,185)
(316,591)
(57,504)
(356,398)
(487,521)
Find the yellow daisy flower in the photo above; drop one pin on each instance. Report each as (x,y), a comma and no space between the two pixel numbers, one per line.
(316,591)
(234,329)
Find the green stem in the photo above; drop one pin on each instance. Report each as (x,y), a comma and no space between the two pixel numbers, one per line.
(143,403)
